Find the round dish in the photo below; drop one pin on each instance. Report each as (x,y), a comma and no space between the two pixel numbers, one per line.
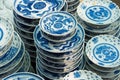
(72,45)
(24,76)
(36,8)
(82,75)
(98,12)
(103,50)
(6,35)
(58,26)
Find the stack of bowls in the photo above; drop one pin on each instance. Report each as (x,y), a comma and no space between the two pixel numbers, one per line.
(82,75)
(23,76)
(98,17)
(72,6)
(60,45)
(26,16)
(102,54)
(12,50)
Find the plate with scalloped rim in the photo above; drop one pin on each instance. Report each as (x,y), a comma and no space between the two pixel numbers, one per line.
(58,26)
(103,50)
(6,33)
(23,76)
(15,61)
(71,45)
(98,12)
(34,9)
(82,75)
(12,52)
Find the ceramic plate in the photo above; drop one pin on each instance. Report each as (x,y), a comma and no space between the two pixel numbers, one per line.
(99,12)
(15,61)
(34,9)
(71,45)
(23,76)
(12,52)
(82,75)
(110,28)
(26,63)
(58,24)
(6,33)
(8,4)
(103,50)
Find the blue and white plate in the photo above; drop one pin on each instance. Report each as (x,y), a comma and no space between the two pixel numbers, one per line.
(12,52)
(11,65)
(34,9)
(26,63)
(110,28)
(103,74)
(98,12)
(82,75)
(69,46)
(23,76)
(6,35)
(58,26)
(103,50)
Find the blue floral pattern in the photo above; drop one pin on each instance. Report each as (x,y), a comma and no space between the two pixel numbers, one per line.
(1,34)
(105,53)
(58,23)
(98,13)
(37,8)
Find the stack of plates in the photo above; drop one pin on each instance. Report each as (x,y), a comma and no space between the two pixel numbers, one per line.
(98,17)
(26,16)
(23,76)
(82,75)
(72,5)
(60,45)
(103,56)
(12,50)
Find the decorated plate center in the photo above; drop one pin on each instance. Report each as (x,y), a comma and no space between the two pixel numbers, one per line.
(106,53)
(39,5)
(98,13)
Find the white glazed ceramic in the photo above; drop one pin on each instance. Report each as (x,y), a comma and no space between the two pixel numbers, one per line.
(72,45)
(103,50)
(6,35)
(98,12)
(12,52)
(36,8)
(12,64)
(58,26)
(23,76)
(110,28)
(8,4)
(82,75)
(103,74)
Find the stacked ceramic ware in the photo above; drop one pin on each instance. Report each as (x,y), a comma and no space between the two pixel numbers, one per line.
(72,6)
(98,17)
(23,76)
(60,45)
(102,54)
(82,75)
(27,14)
(13,57)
